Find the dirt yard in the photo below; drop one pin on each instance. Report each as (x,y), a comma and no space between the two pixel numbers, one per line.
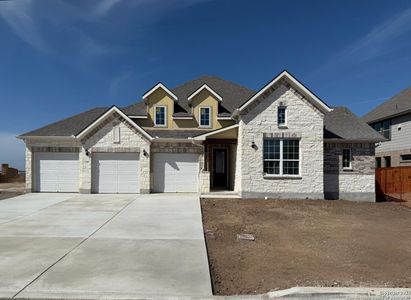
(11,189)
(306,243)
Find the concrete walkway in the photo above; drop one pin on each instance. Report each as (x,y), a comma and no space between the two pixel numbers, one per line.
(102,246)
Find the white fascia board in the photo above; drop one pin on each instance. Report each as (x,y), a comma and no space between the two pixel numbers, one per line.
(60,138)
(138,117)
(105,115)
(224,118)
(203,136)
(158,86)
(316,101)
(205,86)
(182,118)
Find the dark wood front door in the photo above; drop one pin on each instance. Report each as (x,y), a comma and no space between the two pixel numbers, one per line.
(220,172)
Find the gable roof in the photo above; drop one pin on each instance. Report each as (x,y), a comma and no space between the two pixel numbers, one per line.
(233,94)
(204,87)
(398,105)
(113,109)
(317,102)
(159,86)
(341,124)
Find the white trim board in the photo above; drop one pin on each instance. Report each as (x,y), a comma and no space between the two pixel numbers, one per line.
(205,86)
(104,116)
(203,136)
(158,86)
(314,99)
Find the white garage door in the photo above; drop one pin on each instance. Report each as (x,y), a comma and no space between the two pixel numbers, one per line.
(175,172)
(116,173)
(56,172)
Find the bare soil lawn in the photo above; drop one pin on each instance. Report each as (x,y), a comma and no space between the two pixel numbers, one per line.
(306,243)
(11,189)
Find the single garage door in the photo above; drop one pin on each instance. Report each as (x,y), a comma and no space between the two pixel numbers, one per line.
(175,172)
(56,172)
(116,173)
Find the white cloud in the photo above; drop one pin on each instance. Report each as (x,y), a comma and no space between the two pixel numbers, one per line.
(12,150)
(18,15)
(384,38)
(104,6)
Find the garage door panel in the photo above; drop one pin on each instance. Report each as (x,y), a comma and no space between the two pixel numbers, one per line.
(175,172)
(56,172)
(116,173)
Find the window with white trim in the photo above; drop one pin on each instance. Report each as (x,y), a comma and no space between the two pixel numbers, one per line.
(281,116)
(160,115)
(281,157)
(205,116)
(346,158)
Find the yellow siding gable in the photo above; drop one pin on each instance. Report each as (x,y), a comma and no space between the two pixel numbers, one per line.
(202,99)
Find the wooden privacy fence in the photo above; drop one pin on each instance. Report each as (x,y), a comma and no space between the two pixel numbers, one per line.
(393,182)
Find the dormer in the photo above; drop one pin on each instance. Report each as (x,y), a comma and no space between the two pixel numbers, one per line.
(204,87)
(156,88)
(160,106)
(204,103)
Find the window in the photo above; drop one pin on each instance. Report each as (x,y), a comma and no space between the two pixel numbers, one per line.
(281,116)
(387,161)
(205,116)
(281,157)
(160,116)
(346,158)
(378,162)
(384,128)
(406,157)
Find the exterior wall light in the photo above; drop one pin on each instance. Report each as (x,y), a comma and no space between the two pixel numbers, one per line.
(253,145)
(145,153)
(87,152)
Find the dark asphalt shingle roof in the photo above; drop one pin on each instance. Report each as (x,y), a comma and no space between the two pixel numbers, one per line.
(136,109)
(175,134)
(399,104)
(338,124)
(182,114)
(233,94)
(342,124)
(69,126)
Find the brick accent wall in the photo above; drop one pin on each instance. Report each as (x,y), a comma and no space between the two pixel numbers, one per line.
(356,184)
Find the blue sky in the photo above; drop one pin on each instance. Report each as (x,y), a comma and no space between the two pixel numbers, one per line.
(59,58)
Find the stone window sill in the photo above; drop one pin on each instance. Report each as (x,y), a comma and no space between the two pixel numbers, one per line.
(282,177)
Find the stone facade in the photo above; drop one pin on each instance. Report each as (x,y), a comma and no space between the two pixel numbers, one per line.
(304,122)
(102,140)
(357,183)
(36,145)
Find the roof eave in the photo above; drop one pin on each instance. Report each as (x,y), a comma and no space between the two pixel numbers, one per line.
(389,116)
(317,102)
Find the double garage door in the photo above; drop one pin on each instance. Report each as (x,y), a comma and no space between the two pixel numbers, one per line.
(115,172)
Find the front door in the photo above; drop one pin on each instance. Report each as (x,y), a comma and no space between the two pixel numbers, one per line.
(220,174)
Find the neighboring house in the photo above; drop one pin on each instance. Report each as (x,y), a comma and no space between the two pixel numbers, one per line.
(209,135)
(393,120)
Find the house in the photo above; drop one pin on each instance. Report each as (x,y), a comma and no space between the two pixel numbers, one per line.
(209,135)
(393,120)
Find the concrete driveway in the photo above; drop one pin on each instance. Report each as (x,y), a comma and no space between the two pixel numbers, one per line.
(94,246)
